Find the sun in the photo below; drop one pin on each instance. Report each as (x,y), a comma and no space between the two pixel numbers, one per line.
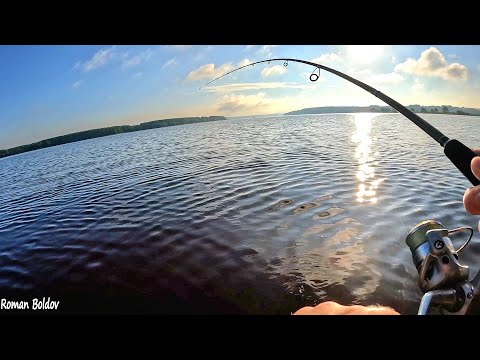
(364,54)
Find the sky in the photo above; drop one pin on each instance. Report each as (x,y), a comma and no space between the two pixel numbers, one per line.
(47,91)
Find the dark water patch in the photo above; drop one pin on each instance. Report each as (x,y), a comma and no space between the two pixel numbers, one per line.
(304,207)
(280,204)
(330,212)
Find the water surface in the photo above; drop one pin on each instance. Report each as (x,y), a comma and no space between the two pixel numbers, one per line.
(248,216)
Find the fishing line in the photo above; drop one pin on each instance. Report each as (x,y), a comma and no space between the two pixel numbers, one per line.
(400,216)
(314,77)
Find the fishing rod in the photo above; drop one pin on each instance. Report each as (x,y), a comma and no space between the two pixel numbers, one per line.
(459,154)
(442,279)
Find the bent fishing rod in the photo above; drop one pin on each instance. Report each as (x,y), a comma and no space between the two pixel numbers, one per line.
(459,154)
(443,280)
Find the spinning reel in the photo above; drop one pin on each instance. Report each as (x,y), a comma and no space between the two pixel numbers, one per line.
(442,279)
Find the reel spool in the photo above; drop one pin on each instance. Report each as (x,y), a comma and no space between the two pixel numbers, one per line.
(435,257)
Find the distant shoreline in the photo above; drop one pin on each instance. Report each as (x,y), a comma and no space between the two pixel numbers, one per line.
(443,109)
(365,112)
(112,130)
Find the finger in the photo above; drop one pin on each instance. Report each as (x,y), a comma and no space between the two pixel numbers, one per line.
(475,166)
(471,200)
(325,308)
(355,310)
(381,310)
(307,310)
(369,310)
(476,151)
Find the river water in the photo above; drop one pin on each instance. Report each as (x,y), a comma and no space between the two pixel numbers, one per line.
(242,216)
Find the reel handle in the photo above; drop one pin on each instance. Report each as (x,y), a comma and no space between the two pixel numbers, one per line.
(447,296)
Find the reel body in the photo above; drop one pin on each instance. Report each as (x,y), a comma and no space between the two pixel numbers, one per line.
(441,276)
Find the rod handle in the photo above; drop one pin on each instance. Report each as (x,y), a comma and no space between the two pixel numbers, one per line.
(461,156)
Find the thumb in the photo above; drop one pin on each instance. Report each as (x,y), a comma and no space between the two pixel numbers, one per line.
(475,166)
(471,200)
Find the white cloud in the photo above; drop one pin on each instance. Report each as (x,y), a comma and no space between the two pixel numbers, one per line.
(137,75)
(138,59)
(274,70)
(432,63)
(329,58)
(169,63)
(260,103)
(244,62)
(266,50)
(100,58)
(77,84)
(258,86)
(233,103)
(243,104)
(209,71)
(182,47)
(248,47)
(364,73)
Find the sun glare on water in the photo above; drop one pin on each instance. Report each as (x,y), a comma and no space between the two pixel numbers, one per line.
(367,187)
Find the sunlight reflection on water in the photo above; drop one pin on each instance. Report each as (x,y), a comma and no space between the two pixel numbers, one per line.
(367,187)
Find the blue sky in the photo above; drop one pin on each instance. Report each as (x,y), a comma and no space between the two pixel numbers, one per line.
(48,91)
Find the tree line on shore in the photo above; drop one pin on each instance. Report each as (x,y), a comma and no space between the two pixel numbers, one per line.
(112,130)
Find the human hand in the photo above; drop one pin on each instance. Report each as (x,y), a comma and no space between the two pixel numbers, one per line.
(471,198)
(333,308)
